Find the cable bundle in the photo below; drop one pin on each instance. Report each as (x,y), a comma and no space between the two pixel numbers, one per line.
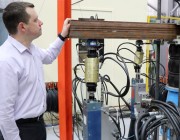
(52,98)
(148,123)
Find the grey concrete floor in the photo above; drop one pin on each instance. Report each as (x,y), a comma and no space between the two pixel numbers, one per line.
(53,133)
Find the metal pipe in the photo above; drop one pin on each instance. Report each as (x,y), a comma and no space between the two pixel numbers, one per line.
(158,53)
(157,63)
(173,10)
(155,9)
(159,10)
(76,2)
(157,68)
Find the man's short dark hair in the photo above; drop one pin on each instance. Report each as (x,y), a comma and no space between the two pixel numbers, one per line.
(15,13)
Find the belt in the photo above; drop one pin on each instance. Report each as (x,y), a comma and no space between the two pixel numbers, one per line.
(30,120)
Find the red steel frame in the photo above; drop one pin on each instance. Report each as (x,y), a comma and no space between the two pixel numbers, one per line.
(64,75)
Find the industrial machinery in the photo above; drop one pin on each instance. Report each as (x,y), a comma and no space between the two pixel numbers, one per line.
(96,121)
(151,117)
(154,113)
(92,107)
(137,88)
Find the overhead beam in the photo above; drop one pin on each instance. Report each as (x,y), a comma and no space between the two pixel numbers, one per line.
(128,30)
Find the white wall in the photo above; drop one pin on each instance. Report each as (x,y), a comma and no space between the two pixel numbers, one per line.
(47,11)
(151,11)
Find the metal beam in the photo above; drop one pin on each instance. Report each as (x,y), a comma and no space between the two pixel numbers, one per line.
(64,75)
(167,6)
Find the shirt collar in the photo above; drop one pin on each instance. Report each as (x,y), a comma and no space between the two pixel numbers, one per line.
(20,47)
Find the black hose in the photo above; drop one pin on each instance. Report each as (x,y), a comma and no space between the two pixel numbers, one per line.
(174,105)
(154,128)
(143,132)
(156,122)
(170,117)
(164,104)
(128,79)
(137,124)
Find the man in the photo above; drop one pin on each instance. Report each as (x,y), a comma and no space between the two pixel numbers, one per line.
(22,87)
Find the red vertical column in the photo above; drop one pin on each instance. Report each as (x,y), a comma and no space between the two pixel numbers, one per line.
(64,75)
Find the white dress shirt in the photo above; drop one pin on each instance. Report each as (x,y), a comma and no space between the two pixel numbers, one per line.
(22,87)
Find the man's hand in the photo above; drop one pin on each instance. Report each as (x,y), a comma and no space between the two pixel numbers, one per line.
(66,26)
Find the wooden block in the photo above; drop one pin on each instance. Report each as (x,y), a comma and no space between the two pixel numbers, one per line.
(129,30)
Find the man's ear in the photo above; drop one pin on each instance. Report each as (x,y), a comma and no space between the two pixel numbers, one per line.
(21,27)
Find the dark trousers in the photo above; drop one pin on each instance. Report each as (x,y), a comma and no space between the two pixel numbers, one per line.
(1,137)
(31,131)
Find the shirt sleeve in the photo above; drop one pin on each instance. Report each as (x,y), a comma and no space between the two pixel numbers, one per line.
(49,55)
(8,94)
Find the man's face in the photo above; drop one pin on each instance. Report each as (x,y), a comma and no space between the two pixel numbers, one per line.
(33,27)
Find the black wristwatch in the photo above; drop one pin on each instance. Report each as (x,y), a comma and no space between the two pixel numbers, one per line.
(61,37)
